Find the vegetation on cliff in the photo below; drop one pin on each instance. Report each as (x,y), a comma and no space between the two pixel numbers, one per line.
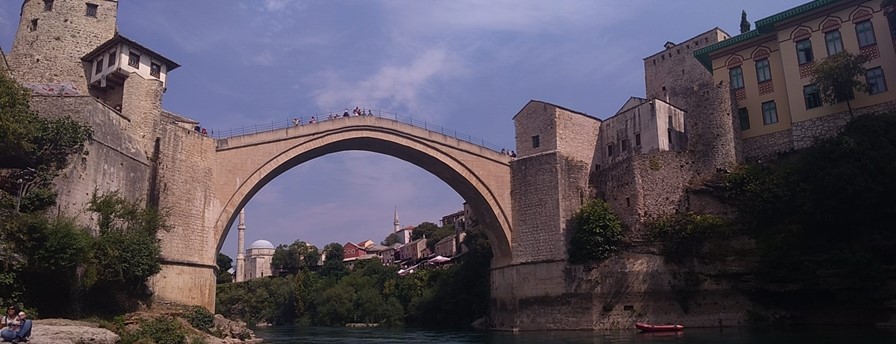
(822,217)
(452,296)
(596,233)
(48,262)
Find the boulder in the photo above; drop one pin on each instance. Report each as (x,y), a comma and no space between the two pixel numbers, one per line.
(62,331)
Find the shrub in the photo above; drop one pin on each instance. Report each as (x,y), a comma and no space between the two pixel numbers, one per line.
(200,318)
(597,233)
(161,330)
(683,235)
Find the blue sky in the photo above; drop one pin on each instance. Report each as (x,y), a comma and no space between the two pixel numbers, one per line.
(466,65)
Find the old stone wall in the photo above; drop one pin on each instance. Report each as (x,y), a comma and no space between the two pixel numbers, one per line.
(766,146)
(710,127)
(112,161)
(621,291)
(806,133)
(577,135)
(675,68)
(51,50)
(142,104)
(663,178)
(537,232)
(618,185)
(185,166)
(573,192)
(536,119)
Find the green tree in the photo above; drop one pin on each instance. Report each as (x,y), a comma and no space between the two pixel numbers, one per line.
(424,230)
(126,250)
(32,148)
(597,233)
(839,76)
(294,257)
(390,239)
(333,265)
(224,263)
(833,232)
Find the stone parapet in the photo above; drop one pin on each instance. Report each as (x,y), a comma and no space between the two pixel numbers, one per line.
(807,133)
(768,145)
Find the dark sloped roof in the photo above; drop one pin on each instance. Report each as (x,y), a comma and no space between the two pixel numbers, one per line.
(556,106)
(122,39)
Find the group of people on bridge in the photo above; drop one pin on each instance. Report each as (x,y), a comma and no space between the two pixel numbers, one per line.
(297,121)
(509,153)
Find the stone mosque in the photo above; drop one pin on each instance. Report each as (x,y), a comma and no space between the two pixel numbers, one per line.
(256,262)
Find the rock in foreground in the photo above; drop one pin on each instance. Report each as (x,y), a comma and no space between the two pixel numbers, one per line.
(62,331)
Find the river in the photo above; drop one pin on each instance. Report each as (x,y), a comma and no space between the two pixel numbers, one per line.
(851,335)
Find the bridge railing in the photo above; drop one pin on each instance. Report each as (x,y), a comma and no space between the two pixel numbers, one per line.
(334,116)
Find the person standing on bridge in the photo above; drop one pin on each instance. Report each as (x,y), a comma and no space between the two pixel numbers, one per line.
(345,114)
(312,120)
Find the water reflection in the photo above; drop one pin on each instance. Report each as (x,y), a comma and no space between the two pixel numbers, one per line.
(833,335)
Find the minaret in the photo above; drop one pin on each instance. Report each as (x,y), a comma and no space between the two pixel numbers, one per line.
(403,236)
(395,222)
(240,257)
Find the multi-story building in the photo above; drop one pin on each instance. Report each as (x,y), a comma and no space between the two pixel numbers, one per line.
(769,70)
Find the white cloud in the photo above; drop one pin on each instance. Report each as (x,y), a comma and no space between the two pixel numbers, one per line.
(390,87)
(429,17)
(276,5)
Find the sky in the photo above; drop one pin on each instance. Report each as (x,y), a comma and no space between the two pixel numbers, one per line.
(462,64)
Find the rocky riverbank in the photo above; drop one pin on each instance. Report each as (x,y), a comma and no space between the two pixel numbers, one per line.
(64,331)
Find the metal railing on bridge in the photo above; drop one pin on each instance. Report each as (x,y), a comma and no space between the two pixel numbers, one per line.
(333,116)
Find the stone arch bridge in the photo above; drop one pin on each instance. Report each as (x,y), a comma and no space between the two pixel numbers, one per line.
(241,165)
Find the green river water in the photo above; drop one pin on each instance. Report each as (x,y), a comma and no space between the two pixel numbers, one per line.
(290,334)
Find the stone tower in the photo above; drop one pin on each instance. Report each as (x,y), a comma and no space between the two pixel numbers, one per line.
(677,77)
(549,178)
(54,35)
(240,257)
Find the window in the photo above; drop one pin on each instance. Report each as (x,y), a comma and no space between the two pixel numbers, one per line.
(769,113)
(48,5)
(812,96)
(763,71)
(99,66)
(610,150)
(833,42)
(112,56)
(737,77)
(536,141)
(91,9)
(638,139)
(874,77)
(804,51)
(865,33)
(624,146)
(33,26)
(134,59)
(155,69)
(744,118)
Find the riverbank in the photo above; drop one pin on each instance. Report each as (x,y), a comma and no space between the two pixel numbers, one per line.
(171,325)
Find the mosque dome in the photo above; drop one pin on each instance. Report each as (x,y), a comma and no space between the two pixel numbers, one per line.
(261,244)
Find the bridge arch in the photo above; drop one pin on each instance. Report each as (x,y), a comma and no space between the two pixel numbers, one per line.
(481,176)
